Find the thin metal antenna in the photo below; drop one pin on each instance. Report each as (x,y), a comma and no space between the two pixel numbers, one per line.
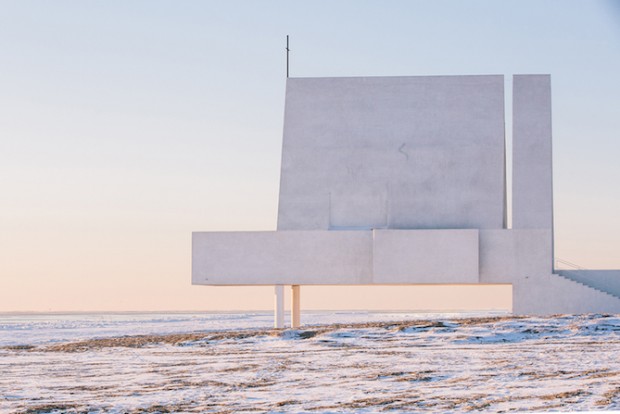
(287,50)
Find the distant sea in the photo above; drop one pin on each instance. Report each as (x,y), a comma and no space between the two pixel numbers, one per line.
(48,328)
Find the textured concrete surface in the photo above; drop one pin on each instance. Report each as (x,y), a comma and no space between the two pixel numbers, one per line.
(425,256)
(532,171)
(322,257)
(282,258)
(510,256)
(423,152)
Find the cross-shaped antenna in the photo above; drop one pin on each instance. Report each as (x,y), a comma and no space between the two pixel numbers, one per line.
(287,50)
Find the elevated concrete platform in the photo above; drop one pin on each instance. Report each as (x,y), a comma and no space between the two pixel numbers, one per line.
(323,257)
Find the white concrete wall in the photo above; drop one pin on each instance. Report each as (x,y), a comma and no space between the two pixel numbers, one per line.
(393,152)
(282,258)
(425,256)
(335,257)
(532,173)
(521,257)
(513,256)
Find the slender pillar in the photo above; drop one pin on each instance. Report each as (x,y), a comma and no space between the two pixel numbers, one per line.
(279,307)
(295,307)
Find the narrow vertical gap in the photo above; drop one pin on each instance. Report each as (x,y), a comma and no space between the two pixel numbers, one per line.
(387,206)
(508,144)
(552,180)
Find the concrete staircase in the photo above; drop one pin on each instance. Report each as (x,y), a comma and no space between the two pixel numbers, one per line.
(558,294)
(606,281)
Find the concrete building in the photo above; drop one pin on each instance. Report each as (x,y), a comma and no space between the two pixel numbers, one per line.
(402,180)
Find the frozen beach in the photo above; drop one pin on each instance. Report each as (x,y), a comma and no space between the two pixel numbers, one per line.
(367,362)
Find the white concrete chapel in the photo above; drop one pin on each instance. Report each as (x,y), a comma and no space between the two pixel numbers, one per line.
(402,180)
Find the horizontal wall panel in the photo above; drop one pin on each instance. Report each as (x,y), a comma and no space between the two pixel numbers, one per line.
(515,255)
(283,257)
(425,256)
(360,257)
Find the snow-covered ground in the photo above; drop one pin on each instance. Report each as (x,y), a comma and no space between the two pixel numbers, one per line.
(372,362)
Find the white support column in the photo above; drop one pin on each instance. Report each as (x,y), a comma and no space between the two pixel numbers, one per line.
(279,307)
(295,306)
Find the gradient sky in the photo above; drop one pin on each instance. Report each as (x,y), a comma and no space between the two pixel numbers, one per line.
(126,125)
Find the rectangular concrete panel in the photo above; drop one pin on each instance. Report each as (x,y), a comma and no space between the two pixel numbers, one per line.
(363,207)
(282,258)
(514,256)
(425,256)
(335,257)
(532,186)
(393,152)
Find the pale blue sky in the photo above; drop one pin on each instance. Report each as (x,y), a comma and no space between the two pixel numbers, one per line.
(125,125)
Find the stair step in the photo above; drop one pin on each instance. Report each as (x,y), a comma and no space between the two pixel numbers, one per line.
(605,281)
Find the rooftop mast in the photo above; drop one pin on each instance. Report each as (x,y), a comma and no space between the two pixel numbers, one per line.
(287,50)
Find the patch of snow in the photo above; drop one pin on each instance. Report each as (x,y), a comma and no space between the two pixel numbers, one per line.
(432,364)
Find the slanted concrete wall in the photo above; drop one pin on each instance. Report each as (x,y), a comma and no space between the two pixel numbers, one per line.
(393,152)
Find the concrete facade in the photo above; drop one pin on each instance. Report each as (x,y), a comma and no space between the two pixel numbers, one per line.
(427,256)
(282,258)
(396,153)
(402,180)
(322,257)
(532,173)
